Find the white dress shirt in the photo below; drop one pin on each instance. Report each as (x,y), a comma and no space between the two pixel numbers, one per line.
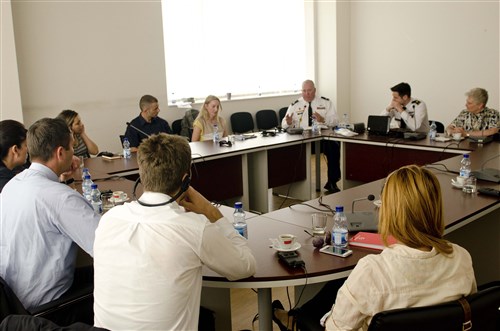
(415,116)
(41,220)
(321,105)
(400,277)
(148,264)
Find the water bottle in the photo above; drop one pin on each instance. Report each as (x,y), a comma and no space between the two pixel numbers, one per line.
(465,166)
(339,231)
(315,126)
(239,223)
(87,187)
(216,137)
(345,119)
(126,148)
(433,131)
(85,171)
(95,196)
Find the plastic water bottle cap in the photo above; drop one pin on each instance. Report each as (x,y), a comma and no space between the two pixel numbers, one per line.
(238,205)
(466,156)
(94,186)
(87,177)
(339,209)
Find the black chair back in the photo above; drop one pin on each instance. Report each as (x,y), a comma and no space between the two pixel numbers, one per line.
(242,122)
(176,126)
(282,113)
(485,315)
(266,119)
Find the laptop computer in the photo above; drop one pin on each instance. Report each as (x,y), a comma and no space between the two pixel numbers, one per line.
(378,125)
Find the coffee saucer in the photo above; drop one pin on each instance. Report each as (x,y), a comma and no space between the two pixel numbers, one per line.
(456,184)
(294,247)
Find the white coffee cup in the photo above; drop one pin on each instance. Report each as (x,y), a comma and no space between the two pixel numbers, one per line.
(457,136)
(119,196)
(460,180)
(287,240)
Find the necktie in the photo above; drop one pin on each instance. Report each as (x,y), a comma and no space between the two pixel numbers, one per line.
(309,114)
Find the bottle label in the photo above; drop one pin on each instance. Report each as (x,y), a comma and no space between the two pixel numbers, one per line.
(340,238)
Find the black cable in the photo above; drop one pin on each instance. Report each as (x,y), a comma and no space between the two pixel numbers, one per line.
(491,158)
(308,205)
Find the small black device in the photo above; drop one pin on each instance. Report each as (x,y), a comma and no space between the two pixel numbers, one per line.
(378,125)
(291,259)
(268,133)
(225,143)
(295,130)
(359,127)
(489,191)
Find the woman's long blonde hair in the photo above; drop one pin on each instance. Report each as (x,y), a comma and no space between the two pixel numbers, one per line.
(412,209)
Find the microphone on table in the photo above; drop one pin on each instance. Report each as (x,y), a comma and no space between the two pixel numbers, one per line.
(362,220)
(138,130)
(370,197)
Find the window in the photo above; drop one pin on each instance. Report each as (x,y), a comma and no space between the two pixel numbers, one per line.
(242,47)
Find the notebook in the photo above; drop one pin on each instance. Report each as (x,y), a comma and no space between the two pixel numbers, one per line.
(378,125)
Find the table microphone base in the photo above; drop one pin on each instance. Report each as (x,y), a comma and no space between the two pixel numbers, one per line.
(362,221)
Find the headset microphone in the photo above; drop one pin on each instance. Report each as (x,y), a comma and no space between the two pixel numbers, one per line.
(184,187)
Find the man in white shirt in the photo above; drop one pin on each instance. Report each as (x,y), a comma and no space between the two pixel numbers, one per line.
(149,253)
(405,111)
(300,114)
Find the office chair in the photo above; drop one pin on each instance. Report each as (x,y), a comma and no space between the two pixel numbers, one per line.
(35,323)
(485,315)
(176,126)
(439,126)
(281,114)
(122,136)
(266,119)
(242,122)
(11,305)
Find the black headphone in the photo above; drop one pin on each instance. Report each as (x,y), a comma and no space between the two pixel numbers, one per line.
(268,133)
(226,143)
(186,181)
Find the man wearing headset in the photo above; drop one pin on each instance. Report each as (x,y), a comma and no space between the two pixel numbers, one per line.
(149,253)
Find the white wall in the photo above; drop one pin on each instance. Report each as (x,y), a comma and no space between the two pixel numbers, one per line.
(442,49)
(98,58)
(10,94)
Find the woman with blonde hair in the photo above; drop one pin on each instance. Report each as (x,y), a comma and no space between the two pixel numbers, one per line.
(422,269)
(84,146)
(204,124)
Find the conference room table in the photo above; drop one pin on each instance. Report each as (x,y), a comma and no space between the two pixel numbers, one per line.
(365,158)
(461,209)
(247,171)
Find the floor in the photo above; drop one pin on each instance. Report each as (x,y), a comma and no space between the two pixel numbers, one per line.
(244,301)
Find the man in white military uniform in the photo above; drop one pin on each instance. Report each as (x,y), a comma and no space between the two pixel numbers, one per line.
(300,114)
(405,111)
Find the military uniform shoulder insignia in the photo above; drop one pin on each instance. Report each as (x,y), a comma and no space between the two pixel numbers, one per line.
(417,102)
(293,103)
(325,98)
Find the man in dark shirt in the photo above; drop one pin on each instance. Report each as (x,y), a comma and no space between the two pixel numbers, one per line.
(147,122)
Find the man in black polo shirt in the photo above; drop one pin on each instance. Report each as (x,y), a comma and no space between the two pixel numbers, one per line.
(147,122)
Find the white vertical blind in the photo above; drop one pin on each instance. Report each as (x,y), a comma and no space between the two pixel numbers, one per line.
(242,47)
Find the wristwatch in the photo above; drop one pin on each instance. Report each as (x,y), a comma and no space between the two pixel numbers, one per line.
(467,134)
(68,182)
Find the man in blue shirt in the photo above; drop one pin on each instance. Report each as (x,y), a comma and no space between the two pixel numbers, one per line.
(148,122)
(43,221)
